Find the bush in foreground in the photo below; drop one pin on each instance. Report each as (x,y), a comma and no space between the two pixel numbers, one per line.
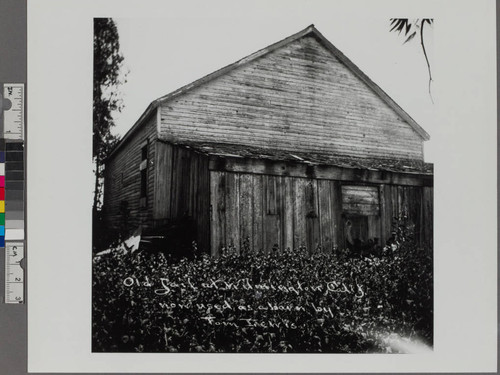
(282,302)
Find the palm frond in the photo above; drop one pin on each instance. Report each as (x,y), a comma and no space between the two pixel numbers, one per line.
(410,37)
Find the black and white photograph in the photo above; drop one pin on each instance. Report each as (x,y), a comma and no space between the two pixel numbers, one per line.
(262,197)
(291,186)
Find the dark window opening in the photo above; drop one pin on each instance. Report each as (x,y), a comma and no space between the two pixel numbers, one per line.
(361,213)
(144,184)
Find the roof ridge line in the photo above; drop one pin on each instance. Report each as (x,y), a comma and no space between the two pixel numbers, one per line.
(264,51)
(259,53)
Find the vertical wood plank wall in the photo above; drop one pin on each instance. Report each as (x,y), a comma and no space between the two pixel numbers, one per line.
(259,212)
(182,189)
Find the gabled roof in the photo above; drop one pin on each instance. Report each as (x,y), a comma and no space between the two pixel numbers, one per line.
(309,31)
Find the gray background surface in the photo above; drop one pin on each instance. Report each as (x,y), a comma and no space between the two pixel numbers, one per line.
(13,67)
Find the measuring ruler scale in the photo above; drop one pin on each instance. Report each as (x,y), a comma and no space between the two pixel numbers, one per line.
(14,274)
(12,190)
(14,116)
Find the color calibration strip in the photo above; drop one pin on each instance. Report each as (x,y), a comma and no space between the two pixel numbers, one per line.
(12,190)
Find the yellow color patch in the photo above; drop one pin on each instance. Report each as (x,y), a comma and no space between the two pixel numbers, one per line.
(2,206)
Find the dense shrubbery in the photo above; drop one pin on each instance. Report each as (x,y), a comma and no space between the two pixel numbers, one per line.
(143,303)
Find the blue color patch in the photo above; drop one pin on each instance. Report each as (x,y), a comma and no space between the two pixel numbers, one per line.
(2,241)
(2,230)
(2,156)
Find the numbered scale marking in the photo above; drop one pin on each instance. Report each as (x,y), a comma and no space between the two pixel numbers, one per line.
(11,205)
(14,274)
(14,116)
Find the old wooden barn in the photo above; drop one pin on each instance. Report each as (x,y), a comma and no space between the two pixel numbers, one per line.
(291,146)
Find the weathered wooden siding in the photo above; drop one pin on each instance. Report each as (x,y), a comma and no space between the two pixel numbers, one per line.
(122,181)
(260,212)
(361,204)
(296,98)
(427,218)
(414,202)
(182,188)
(325,172)
(360,199)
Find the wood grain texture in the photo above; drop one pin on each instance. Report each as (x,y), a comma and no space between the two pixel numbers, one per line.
(324,172)
(182,189)
(427,216)
(202,195)
(246,212)
(218,209)
(326,211)
(272,217)
(264,212)
(288,201)
(360,199)
(338,239)
(163,181)
(299,212)
(298,97)
(312,216)
(232,193)
(374,228)
(411,205)
(258,212)
(385,213)
(122,185)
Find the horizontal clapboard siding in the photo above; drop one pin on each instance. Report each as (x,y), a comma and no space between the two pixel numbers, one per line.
(362,200)
(122,182)
(296,98)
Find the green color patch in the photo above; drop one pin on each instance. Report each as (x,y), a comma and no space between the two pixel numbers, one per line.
(2,218)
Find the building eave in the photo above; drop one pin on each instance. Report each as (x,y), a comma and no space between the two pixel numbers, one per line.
(310,30)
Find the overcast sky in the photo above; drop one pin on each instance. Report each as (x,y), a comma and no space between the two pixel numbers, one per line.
(163,54)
